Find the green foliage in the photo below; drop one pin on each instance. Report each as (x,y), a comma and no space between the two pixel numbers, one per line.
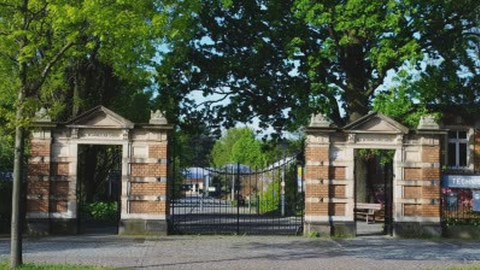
(384,157)
(43,57)
(6,152)
(239,145)
(102,211)
(473,220)
(270,199)
(398,104)
(282,60)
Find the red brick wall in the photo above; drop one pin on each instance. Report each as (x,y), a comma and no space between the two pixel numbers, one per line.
(410,210)
(432,210)
(337,209)
(39,169)
(316,191)
(430,174)
(337,191)
(149,170)
(153,189)
(316,172)
(412,174)
(40,149)
(38,205)
(58,206)
(317,154)
(157,151)
(316,209)
(322,171)
(60,168)
(60,188)
(431,154)
(430,192)
(147,207)
(412,192)
(324,209)
(337,173)
(38,188)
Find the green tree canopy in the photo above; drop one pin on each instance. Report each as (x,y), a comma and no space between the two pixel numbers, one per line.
(280,61)
(238,145)
(40,39)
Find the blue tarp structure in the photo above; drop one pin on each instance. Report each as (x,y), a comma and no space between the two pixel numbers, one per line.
(196,173)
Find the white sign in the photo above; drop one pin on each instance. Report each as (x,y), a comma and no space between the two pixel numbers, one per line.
(461,181)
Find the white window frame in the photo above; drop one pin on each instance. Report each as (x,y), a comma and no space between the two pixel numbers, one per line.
(457,141)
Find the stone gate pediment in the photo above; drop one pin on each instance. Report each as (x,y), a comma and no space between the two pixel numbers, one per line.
(376,123)
(100,117)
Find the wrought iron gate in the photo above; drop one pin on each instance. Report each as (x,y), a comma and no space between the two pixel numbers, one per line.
(236,199)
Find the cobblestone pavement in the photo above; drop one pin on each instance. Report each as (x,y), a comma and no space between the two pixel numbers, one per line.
(247,252)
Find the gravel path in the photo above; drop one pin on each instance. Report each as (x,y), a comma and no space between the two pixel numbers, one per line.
(247,252)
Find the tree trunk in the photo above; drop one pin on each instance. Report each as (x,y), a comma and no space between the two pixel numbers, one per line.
(16,252)
(76,90)
(356,97)
(16,230)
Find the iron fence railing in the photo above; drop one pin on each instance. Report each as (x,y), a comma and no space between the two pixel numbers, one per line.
(458,207)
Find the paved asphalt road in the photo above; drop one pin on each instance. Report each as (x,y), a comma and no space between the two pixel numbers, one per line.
(247,252)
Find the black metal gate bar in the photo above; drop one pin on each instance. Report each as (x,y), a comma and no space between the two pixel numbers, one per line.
(237,200)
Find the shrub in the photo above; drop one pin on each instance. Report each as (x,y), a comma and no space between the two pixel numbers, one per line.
(103,211)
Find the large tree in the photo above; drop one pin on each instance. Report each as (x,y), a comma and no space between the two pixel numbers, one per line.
(39,39)
(238,145)
(283,60)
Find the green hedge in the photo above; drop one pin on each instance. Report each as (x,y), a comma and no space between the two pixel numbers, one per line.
(105,212)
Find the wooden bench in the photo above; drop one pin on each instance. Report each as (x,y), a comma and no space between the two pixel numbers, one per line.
(367,210)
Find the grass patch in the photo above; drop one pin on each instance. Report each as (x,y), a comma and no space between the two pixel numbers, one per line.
(466,267)
(6,266)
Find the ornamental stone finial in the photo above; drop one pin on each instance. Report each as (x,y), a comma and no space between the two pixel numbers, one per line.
(157,118)
(42,116)
(428,122)
(320,121)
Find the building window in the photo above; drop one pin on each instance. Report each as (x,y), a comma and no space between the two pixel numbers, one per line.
(457,148)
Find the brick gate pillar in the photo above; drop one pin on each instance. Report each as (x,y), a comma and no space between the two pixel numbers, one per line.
(421,192)
(145,202)
(38,182)
(320,189)
(47,195)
